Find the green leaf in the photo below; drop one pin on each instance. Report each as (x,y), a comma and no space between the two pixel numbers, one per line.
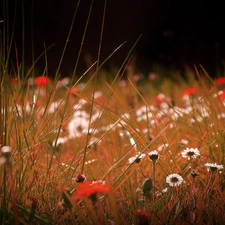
(147,187)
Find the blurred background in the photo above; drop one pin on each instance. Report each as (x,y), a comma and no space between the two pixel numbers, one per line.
(175,34)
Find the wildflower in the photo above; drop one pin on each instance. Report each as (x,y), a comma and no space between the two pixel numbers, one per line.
(153,155)
(63,82)
(99,101)
(222,95)
(79,178)
(161,147)
(73,91)
(14,81)
(54,106)
(194,173)
(160,98)
(143,217)
(123,83)
(152,76)
(213,167)
(162,101)
(184,142)
(137,77)
(59,141)
(190,153)
(78,125)
(41,81)
(163,192)
(6,151)
(189,91)
(219,81)
(143,114)
(91,189)
(136,158)
(174,180)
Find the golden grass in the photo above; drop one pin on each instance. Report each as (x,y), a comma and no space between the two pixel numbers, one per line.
(37,183)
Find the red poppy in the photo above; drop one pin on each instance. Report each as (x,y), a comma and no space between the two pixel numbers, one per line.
(14,81)
(189,91)
(143,217)
(222,96)
(90,189)
(73,91)
(41,81)
(159,99)
(99,101)
(219,81)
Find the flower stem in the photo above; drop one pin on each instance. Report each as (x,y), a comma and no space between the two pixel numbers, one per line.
(153,180)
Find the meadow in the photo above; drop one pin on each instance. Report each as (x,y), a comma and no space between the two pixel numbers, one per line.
(120,151)
(109,147)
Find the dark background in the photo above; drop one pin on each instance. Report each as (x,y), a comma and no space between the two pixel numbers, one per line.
(174,33)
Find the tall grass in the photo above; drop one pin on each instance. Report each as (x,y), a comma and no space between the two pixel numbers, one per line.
(103,150)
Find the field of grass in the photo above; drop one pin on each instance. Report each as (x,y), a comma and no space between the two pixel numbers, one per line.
(109,147)
(116,151)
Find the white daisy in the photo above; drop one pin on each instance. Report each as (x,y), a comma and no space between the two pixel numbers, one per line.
(63,82)
(174,180)
(6,151)
(190,153)
(78,126)
(136,158)
(213,167)
(163,146)
(59,141)
(184,142)
(54,106)
(164,191)
(153,155)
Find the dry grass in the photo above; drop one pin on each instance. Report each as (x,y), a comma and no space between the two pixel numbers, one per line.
(98,129)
